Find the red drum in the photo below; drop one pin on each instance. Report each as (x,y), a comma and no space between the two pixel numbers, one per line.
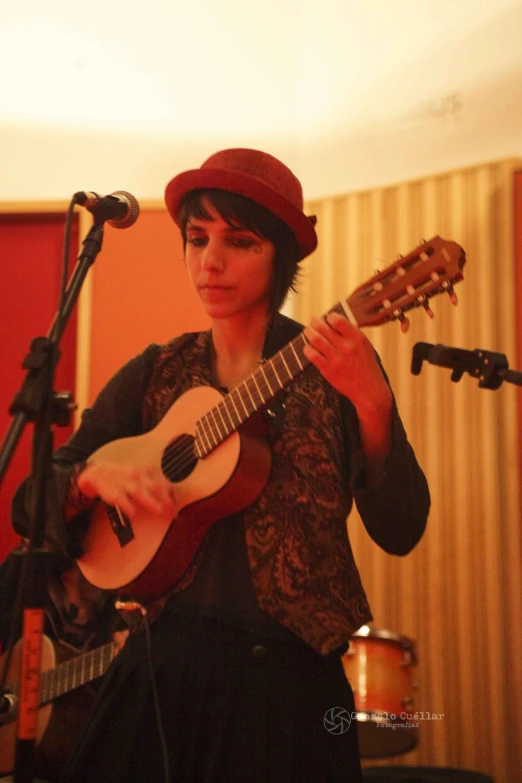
(379,667)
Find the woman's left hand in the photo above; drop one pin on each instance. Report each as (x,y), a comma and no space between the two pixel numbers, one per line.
(346,358)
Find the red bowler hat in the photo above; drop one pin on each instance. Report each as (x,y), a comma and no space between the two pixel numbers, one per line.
(257,176)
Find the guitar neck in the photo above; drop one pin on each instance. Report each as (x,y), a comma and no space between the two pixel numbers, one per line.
(72,674)
(253,394)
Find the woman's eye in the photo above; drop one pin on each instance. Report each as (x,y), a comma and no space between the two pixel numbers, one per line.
(243,242)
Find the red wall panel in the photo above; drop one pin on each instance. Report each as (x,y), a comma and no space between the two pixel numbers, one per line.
(30,269)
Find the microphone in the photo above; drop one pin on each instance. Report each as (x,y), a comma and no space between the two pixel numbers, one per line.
(120,209)
(8,707)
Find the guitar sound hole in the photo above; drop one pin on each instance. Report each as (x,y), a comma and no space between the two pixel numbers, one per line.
(179,458)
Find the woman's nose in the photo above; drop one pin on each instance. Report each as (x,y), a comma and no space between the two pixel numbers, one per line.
(212,257)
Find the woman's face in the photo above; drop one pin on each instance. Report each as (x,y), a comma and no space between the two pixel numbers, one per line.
(230,267)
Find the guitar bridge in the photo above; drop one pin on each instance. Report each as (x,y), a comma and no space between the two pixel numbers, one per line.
(121,525)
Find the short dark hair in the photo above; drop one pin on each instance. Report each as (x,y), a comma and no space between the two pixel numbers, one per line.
(237,210)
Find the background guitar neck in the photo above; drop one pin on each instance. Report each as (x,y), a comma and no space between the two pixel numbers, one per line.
(72,674)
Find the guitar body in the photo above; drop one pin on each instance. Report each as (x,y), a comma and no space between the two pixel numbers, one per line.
(161,549)
(58,723)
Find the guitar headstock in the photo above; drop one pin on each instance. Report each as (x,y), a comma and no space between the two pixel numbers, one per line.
(432,268)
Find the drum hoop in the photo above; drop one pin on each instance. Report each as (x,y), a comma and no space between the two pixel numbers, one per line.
(388,636)
(382,633)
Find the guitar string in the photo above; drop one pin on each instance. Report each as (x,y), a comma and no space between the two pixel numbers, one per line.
(64,675)
(179,459)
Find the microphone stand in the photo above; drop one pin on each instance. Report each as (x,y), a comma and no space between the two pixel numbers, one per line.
(37,402)
(490,368)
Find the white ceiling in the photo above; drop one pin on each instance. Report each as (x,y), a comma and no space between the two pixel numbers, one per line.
(349,93)
(277,66)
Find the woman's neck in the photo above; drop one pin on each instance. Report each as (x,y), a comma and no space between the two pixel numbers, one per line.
(237,348)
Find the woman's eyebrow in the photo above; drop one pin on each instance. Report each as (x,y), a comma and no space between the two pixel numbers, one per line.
(229,229)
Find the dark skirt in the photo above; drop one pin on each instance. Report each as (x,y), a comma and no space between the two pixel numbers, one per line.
(236,707)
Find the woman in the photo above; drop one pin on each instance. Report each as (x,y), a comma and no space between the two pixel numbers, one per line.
(246,649)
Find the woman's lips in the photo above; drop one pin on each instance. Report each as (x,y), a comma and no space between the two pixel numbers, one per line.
(214,290)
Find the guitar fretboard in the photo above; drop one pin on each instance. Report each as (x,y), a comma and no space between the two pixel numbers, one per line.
(72,674)
(251,395)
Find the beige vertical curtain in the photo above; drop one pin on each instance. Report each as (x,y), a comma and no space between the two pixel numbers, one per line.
(458,594)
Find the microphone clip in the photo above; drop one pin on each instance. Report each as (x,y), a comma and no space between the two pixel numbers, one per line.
(489,367)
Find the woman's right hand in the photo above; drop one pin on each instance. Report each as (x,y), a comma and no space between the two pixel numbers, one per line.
(133,490)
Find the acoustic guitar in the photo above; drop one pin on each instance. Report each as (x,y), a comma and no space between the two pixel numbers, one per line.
(61,713)
(208,446)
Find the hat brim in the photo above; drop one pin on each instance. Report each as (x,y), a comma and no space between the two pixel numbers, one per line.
(250,187)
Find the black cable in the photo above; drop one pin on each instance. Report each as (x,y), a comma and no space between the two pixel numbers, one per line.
(57,330)
(135,606)
(157,709)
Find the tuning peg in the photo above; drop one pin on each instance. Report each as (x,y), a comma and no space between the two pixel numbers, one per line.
(424,301)
(404,322)
(451,293)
